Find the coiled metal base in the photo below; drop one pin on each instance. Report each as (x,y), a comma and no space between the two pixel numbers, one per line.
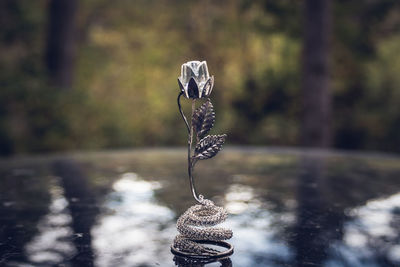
(196,230)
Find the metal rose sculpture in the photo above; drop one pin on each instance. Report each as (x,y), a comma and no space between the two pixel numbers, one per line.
(196,226)
(195,82)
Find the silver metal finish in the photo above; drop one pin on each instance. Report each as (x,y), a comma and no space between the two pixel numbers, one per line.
(196,228)
(195,81)
(196,225)
(191,162)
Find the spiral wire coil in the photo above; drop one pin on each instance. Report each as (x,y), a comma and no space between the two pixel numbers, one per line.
(196,227)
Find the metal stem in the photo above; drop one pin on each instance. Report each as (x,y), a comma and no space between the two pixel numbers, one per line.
(191,161)
(181,111)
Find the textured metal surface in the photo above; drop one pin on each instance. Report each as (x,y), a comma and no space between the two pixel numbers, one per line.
(203,119)
(196,225)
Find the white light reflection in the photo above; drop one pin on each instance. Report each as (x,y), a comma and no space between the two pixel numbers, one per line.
(370,222)
(136,231)
(52,244)
(254,233)
(238,198)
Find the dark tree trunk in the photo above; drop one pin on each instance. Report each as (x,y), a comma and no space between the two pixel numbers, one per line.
(316,116)
(61,42)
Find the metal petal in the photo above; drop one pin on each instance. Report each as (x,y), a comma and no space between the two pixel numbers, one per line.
(182,88)
(193,89)
(186,73)
(203,72)
(208,87)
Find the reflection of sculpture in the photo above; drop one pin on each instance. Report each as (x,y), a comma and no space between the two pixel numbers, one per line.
(195,225)
(190,262)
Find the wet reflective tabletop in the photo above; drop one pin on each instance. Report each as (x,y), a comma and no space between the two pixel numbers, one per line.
(287,207)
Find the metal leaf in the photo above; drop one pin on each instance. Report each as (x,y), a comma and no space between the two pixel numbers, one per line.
(203,119)
(209,146)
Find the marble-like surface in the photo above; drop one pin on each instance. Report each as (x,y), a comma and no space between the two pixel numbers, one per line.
(287,207)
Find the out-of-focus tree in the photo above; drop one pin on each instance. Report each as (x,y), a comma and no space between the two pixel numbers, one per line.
(362,118)
(128,58)
(61,42)
(316,80)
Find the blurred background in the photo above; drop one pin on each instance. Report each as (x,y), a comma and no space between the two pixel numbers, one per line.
(98,74)
(94,75)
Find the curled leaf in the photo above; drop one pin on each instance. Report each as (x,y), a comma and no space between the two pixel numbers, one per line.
(209,146)
(203,119)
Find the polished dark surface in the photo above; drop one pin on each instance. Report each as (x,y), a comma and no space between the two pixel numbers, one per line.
(287,208)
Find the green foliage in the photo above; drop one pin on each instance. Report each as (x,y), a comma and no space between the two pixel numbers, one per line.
(129,58)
